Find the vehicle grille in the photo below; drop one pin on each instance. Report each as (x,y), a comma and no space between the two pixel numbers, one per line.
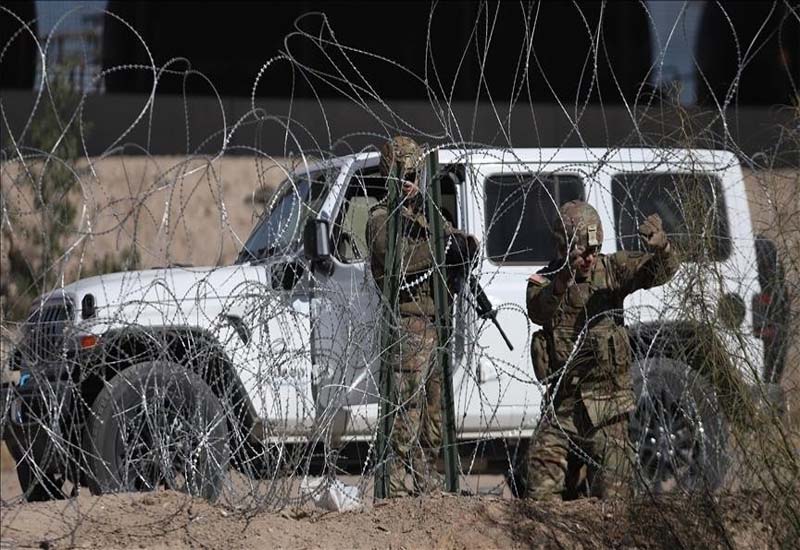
(43,332)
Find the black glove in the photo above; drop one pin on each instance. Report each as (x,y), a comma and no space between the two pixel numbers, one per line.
(463,250)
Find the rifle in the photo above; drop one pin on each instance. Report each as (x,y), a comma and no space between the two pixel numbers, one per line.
(483,307)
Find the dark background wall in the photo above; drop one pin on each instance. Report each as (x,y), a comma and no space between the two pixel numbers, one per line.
(589,50)
(18,65)
(463,71)
(749,53)
(229,41)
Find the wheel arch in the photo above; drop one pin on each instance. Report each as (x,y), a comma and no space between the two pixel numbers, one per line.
(697,346)
(191,347)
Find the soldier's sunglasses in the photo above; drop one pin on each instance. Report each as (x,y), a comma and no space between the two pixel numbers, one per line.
(410,176)
(591,251)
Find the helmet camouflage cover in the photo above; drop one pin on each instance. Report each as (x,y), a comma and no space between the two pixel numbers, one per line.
(579,225)
(402,150)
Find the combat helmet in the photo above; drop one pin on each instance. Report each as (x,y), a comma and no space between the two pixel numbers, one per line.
(578,224)
(402,150)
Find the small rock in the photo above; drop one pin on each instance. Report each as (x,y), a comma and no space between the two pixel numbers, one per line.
(294,513)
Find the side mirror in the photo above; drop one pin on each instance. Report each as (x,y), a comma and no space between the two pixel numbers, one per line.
(317,246)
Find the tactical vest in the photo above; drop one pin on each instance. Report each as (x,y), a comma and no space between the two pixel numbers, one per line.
(416,261)
(588,328)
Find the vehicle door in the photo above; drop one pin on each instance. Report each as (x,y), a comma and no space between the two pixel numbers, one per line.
(345,308)
(266,322)
(346,304)
(513,208)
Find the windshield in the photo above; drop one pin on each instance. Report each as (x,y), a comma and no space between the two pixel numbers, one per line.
(280,228)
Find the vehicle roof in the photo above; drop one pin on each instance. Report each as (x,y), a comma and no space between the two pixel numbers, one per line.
(450,155)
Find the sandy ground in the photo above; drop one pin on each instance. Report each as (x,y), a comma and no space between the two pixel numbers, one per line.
(171,520)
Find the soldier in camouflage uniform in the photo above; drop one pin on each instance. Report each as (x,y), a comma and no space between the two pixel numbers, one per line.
(583,355)
(416,437)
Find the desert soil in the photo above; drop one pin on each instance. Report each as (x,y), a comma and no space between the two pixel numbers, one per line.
(172,520)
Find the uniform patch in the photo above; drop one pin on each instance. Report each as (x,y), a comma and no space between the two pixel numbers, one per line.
(538,279)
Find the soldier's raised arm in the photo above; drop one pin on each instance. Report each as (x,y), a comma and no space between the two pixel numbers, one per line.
(641,270)
(541,299)
(546,289)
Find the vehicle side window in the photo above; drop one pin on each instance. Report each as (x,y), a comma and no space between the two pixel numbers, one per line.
(691,207)
(365,189)
(519,212)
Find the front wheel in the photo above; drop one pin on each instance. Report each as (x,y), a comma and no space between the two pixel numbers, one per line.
(157,425)
(677,428)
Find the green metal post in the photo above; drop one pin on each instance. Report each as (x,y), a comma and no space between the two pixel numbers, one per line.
(434,200)
(389,338)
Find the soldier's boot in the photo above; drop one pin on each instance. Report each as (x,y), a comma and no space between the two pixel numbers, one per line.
(424,473)
(397,479)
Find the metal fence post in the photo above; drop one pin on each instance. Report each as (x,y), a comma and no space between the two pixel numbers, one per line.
(440,295)
(389,310)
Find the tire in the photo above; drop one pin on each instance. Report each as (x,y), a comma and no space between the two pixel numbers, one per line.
(38,486)
(157,425)
(677,428)
(41,449)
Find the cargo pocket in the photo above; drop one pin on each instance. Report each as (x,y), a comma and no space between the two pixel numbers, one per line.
(620,350)
(540,356)
(563,346)
(606,408)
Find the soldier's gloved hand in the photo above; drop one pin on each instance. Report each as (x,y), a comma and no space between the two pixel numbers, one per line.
(652,232)
(461,254)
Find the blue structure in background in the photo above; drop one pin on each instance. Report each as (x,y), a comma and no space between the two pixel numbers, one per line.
(75,33)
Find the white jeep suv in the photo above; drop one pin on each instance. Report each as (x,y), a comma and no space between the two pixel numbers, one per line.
(172,376)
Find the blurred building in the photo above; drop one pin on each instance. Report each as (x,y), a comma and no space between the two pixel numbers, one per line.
(564,52)
(68,33)
(482,72)
(470,50)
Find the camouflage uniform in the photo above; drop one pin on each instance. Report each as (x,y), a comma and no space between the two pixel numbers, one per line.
(416,436)
(585,420)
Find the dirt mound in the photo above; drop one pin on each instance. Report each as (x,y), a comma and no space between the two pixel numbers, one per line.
(172,520)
